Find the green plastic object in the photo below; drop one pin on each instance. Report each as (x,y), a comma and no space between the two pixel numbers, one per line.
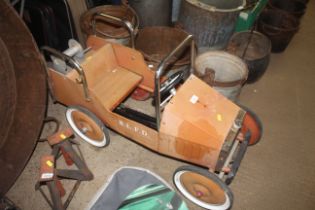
(248,17)
(153,197)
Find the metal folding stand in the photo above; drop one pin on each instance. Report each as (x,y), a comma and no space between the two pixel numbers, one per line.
(50,176)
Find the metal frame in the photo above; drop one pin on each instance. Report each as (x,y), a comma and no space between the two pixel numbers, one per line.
(242,147)
(161,71)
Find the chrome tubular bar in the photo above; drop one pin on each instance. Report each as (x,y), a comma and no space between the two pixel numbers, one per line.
(161,70)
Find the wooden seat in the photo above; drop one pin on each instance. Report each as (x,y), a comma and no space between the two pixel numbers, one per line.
(126,58)
(115,86)
(109,82)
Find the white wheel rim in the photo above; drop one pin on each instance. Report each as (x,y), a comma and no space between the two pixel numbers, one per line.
(70,120)
(193,199)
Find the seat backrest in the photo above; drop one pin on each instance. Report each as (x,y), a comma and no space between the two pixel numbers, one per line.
(97,63)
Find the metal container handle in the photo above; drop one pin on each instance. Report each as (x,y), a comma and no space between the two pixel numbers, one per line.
(161,70)
(73,64)
(127,24)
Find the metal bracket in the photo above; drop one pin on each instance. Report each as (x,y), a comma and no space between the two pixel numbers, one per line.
(235,155)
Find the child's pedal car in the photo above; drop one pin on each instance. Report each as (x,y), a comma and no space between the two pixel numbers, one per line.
(193,123)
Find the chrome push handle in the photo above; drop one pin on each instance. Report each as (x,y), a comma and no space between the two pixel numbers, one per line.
(73,64)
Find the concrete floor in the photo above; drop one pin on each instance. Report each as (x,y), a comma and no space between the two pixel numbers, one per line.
(278,173)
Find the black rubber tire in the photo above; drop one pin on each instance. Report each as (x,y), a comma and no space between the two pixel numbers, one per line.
(94,118)
(211,176)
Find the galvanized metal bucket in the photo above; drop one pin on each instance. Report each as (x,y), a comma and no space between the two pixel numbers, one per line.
(280,27)
(153,12)
(254,48)
(293,7)
(109,22)
(212,22)
(157,42)
(223,71)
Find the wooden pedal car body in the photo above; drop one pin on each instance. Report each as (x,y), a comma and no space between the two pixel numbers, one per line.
(194,124)
(197,125)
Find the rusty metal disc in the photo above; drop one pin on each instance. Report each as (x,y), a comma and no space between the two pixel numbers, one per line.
(23,96)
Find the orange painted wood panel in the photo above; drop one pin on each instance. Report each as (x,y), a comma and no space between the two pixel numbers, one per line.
(142,134)
(199,115)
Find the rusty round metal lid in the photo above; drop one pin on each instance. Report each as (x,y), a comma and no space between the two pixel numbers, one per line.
(22,98)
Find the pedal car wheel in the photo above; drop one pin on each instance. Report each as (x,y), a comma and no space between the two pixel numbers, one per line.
(253,124)
(203,188)
(86,125)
